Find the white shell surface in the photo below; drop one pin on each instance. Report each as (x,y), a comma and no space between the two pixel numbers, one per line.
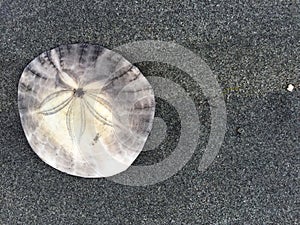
(85,110)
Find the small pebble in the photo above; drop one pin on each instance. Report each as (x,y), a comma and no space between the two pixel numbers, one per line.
(240,130)
(290,87)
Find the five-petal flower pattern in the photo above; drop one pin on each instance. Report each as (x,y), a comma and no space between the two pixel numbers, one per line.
(80,99)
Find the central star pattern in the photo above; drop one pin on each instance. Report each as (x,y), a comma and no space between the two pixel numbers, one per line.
(79,99)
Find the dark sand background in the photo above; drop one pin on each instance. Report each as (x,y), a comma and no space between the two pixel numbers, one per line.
(252,48)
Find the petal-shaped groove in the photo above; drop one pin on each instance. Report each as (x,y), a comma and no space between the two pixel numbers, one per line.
(76,120)
(69,122)
(82,118)
(100,111)
(55,102)
(67,80)
(100,100)
(95,85)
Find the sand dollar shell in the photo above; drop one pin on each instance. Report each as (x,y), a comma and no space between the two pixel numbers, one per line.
(85,110)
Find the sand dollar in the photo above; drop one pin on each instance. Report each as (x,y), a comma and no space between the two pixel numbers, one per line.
(85,110)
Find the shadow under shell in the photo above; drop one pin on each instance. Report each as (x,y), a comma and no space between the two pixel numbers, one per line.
(85,110)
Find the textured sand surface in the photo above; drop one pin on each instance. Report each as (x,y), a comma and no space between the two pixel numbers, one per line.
(252,48)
